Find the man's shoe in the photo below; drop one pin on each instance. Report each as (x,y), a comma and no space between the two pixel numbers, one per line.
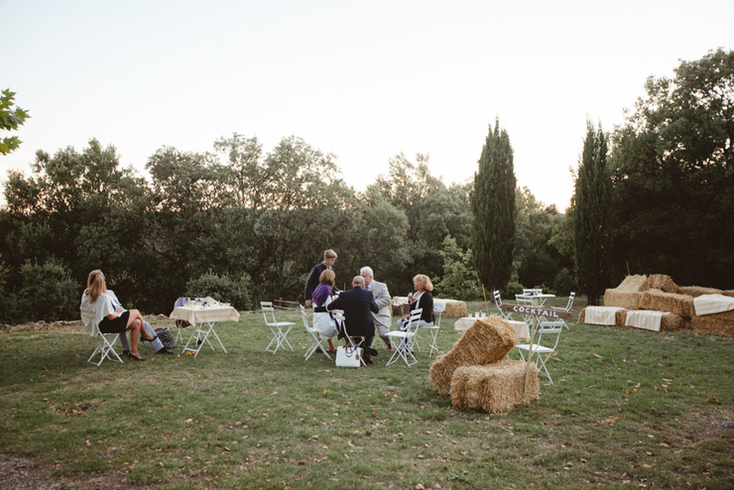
(367,359)
(370,351)
(165,350)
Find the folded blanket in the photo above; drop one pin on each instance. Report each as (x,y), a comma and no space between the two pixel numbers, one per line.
(600,315)
(709,304)
(645,319)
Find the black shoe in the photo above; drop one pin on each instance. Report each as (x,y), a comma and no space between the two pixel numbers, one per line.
(165,350)
(367,359)
(372,352)
(147,340)
(136,358)
(125,353)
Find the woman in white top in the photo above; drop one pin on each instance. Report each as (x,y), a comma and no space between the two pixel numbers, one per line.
(108,318)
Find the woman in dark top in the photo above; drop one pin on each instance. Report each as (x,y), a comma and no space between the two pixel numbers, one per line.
(421,299)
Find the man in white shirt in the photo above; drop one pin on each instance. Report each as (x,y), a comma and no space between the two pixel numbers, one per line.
(383,318)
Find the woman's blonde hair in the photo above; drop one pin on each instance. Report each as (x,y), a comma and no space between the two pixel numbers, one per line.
(424,282)
(328,277)
(96,284)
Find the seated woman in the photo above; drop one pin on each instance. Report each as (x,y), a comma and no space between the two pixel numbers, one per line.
(422,299)
(322,296)
(111,319)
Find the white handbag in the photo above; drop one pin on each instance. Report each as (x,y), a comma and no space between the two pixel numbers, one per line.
(347,357)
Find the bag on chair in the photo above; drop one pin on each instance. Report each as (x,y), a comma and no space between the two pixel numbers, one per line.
(347,357)
(166,336)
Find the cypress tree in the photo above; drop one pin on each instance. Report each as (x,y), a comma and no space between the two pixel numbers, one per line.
(592,216)
(493,209)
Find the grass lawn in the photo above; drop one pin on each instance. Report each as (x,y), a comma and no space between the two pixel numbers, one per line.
(630,409)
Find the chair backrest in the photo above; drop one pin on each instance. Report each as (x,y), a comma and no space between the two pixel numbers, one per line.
(532,291)
(570,302)
(550,330)
(439,307)
(268,310)
(89,319)
(413,319)
(524,300)
(497,298)
(304,316)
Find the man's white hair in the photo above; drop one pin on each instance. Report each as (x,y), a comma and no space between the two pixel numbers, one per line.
(366,270)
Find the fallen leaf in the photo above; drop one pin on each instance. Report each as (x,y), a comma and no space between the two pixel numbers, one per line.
(596,355)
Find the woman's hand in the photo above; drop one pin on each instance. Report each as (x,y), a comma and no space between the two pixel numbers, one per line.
(118,310)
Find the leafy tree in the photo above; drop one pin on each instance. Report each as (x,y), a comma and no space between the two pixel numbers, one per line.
(460,279)
(674,179)
(493,208)
(593,216)
(10,119)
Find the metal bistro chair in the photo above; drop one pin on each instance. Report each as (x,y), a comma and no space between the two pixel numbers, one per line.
(341,326)
(431,335)
(548,330)
(403,349)
(278,329)
(507,315)
(567,308)
(105,341)
(316,344)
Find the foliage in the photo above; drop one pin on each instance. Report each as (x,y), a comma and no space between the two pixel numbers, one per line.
(460,280)
(223,289)
(494,210)
(674,176)
(593,216)
(511,289)
(564,283)
(10,119)
(49,290)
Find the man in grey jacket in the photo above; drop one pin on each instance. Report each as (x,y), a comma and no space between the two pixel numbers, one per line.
(383,319)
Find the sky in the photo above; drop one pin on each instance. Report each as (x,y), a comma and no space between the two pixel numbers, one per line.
(364,81)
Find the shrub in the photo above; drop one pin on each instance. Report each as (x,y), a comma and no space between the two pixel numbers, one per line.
(564,282)
(47,292)
(511,290)
(222,288)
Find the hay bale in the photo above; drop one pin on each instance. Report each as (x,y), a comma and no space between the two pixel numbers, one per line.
(718,323)
(663,283)
(629,300)
(489,340)
(620,318)
(496,387)
(674,323)
(635,284)
(657,300)
(455,309)
(697,291)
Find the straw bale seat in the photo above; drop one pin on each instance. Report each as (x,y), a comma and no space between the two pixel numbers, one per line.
(718,323)
(657,300)
(655,320)
(496,387)
(603,315)
(455,309)
(489,340)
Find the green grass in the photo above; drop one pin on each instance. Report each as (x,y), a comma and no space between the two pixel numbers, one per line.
(629,409)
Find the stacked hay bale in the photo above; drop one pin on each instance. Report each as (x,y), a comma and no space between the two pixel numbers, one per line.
(659,292)
(494,387)
(718,323)
(455,309)
(628,295)
(472,371)
(619,317)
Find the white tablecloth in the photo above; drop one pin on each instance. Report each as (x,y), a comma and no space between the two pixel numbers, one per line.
(199,315)
(708,304)
(600,315)
(645,319)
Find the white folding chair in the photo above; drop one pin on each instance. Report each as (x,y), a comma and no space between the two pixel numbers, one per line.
(507,315)
(316,344)
(341,326)
(431,333)
(543,351)
(403,349)
(278,329)
(528,302)
(566,308)
(105,341)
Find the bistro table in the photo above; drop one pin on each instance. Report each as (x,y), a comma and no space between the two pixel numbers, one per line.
(203,319)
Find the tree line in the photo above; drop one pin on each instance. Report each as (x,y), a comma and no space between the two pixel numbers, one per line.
(243,225)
